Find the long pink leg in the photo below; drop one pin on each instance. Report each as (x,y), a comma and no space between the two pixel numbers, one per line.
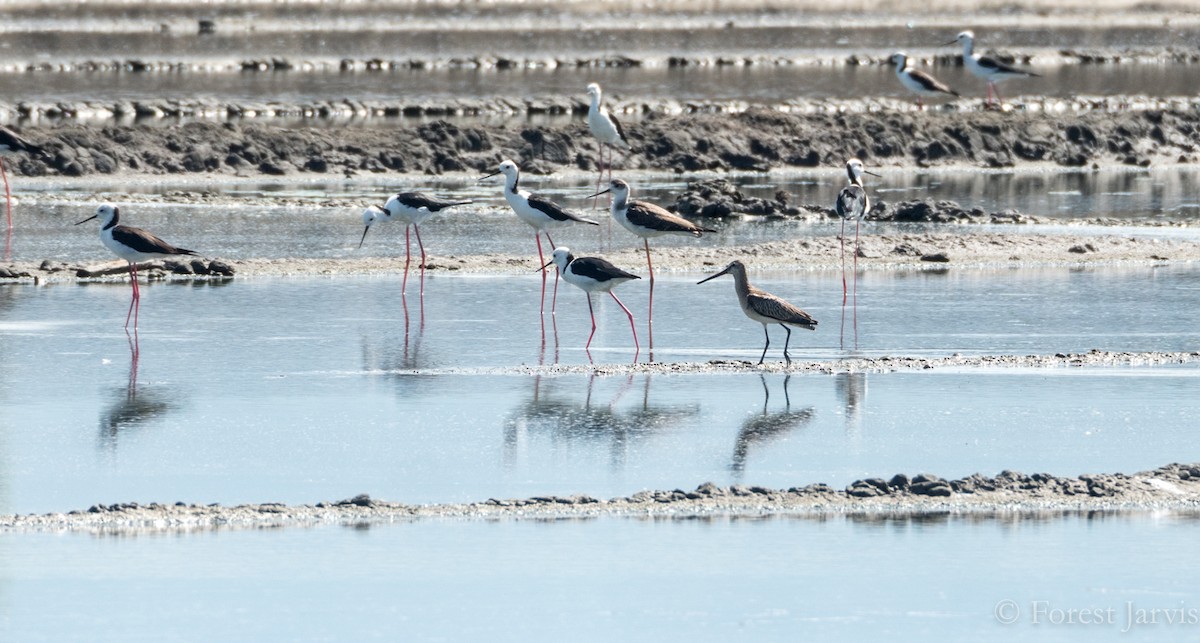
(842,242)
(7,194)
(554,298)
(632,327)
(135,301)
(999,98)
(856,222)
(542,264)
(407,259)
(417,228)
(650,314)
(592,312)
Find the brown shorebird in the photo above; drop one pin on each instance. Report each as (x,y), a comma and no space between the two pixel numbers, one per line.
(647,220)
(11,142)
(593,274)
(917,81)
(765,308)
(986,67)
(132,245)
(413,208)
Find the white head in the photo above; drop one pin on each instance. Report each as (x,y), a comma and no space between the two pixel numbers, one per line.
(107,213)
(593,91)
(561,257)
(371,215)
(510,171)
(964,38)
(855,169)
(900,60)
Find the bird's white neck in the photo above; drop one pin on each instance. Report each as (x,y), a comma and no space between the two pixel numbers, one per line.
(968,47)
(595,102)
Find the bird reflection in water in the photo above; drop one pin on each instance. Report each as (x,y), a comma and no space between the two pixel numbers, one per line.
(767,426)
(573,423)
(852,390)
(131,408)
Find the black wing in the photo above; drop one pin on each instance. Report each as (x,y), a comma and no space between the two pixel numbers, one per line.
(852,202)
(652,217)
(617,124)
(555,211)
(142,241)
(930,83)
(416,200)
(599,270)
(17,143)
(987,62)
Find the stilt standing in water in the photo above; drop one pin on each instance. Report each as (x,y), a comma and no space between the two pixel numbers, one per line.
(541,214)
(606,129)
(593,274)
(765,308)
(917,81)
(852,203)
(647,220)
(132,245)
(987,68)
(413,209)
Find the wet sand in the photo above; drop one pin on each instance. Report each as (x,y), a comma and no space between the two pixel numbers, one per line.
(1171,487)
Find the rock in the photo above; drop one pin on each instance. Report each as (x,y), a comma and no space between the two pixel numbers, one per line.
(936,257)
(899,481)
(218,267)
(930,488)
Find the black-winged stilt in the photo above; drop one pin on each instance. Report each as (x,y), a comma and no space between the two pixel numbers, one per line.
(412,209)
(986,67)
(765,308)
(647,220)
(606,128)
(852,203)
(540,213)
(593,274)
(132,245)
(917,81)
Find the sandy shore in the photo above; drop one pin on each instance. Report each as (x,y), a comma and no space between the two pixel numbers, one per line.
(1171,487)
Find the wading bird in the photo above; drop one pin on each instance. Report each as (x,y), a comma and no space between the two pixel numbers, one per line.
(765,308)
(606,129)
(852,203)
(540,213)
(917,81)
(989,69)
(593,274)
(647,220)
(132,245)
(413,209)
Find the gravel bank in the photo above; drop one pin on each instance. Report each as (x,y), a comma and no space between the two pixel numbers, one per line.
(1174,486)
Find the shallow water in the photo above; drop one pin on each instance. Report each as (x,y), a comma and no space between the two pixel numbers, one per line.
(305,229)
(300,390)
(832,578)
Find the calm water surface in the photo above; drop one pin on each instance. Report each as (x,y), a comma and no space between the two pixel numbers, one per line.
(776,578)
(307,229)
(300,390)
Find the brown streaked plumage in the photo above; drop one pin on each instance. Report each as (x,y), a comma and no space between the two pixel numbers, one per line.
(647,220)
(765,308)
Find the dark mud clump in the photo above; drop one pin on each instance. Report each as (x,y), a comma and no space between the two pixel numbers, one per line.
(720,198)
(756,140)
